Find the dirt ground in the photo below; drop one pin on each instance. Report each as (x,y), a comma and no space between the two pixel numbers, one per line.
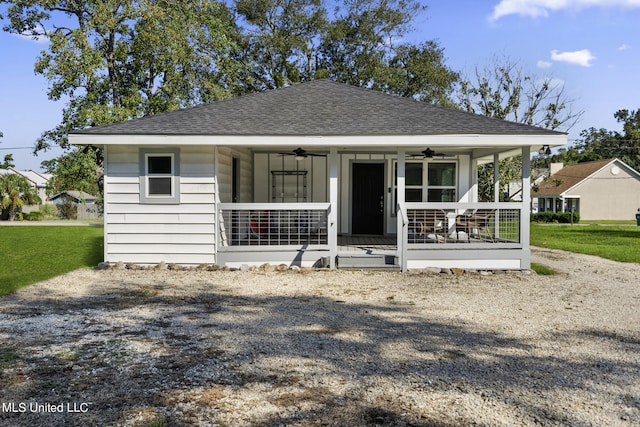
(325,348)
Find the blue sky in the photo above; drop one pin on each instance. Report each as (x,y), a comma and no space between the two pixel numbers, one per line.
(593,46)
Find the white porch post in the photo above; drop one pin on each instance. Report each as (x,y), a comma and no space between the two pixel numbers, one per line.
(402,243)
(525,212)
(333,207)
(496,178)
(496,193)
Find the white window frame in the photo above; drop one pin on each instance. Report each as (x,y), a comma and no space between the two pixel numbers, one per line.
(425,187)
(174,196)
(453,187)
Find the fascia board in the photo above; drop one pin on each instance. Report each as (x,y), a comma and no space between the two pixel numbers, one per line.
(353,141)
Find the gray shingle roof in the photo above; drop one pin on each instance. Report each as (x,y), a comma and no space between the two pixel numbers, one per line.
(320,107)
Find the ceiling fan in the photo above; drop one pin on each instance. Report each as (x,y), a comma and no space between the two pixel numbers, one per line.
(301,154)
(428,153)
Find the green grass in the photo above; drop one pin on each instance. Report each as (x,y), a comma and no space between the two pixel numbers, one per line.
(618,243)
(30,254)
(543,270)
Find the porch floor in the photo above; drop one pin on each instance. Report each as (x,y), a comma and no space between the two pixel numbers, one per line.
(384,245)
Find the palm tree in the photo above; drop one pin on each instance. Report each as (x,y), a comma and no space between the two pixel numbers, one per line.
(15,192)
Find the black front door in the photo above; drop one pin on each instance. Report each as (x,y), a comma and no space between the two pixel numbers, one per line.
(367,198)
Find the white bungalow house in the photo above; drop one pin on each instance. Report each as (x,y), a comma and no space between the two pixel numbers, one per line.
(318,173)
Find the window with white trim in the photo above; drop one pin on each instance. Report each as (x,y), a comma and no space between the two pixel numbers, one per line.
(439,177)
(159,177)
(441,182)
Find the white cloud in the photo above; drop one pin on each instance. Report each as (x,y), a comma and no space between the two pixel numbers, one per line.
(624,46)
(34,39)
(542,8)
(580,57)
(544,64)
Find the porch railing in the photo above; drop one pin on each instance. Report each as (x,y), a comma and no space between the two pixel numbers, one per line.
(476,224)
(273,225)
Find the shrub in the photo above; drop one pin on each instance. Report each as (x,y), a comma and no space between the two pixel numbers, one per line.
(556,217)
(49,211)
(34,216)
(68,211)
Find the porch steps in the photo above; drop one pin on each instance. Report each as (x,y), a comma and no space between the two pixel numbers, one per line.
(367,262)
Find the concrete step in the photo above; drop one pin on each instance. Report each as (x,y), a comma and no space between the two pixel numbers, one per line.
(367,262)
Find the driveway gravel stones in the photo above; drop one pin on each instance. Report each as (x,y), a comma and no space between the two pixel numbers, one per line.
(151,347)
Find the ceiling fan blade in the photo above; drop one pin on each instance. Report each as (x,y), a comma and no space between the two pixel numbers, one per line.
(316,155)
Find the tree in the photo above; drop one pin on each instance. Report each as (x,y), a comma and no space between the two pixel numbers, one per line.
(600,144)
(80,170)
(8,162)
(505,91)
(362,48)
(298,40)
(121,59)
(597,144)
(283,39)
(15,192)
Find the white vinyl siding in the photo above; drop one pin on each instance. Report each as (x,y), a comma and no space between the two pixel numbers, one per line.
(144,233)
(224,172)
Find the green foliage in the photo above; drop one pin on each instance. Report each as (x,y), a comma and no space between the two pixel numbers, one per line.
(297,40)
(8,162)
(48,211)
(611,242)
(556,217)
(67,211)
(361,48)
(116,60)
(34,216)
(79,169)
(283,39)
(32,254)
(510,170)
(15,192)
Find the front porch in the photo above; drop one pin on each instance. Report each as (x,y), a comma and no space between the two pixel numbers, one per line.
(309,211)
(467,235)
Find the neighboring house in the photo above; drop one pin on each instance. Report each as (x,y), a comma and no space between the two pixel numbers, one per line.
(515,187)
(37,180)
(74,197)
(603,189)
(303,175)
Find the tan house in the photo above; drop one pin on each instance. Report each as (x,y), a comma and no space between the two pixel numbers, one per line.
(604,189)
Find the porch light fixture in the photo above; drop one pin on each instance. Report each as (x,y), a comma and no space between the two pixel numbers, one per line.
(544,150)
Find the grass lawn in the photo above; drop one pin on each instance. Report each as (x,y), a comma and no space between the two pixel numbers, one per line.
(619,243)
(30,254)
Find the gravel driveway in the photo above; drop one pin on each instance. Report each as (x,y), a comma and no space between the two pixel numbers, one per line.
(325,348)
